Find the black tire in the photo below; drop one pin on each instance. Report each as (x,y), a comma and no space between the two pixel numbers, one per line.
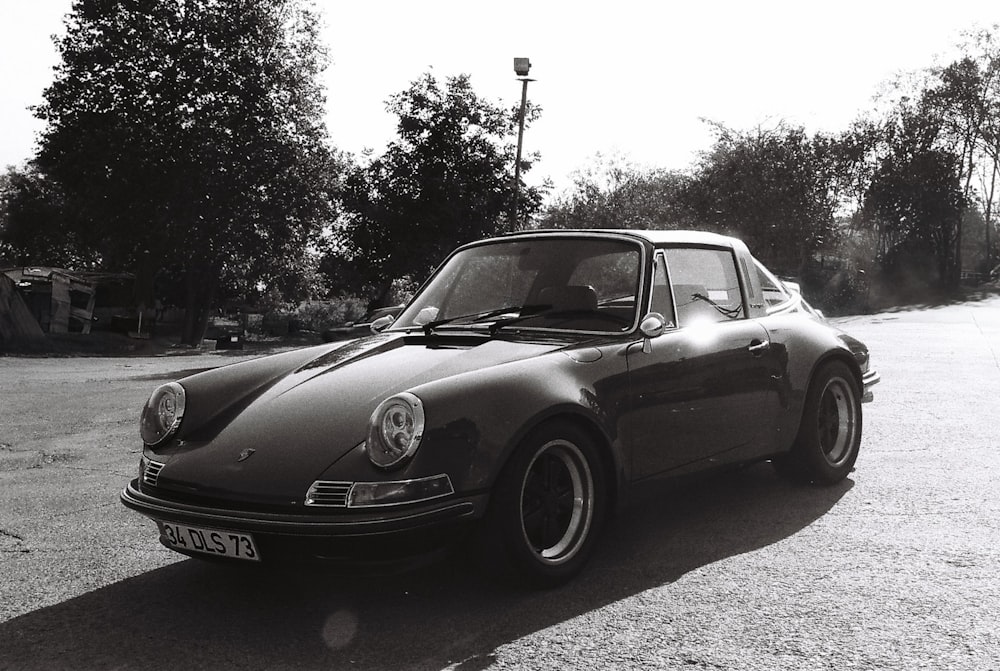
(829,436)
(549,504)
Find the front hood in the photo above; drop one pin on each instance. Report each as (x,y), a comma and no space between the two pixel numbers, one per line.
(307,419)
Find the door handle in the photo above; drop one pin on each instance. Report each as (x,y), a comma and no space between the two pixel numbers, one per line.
(758,347)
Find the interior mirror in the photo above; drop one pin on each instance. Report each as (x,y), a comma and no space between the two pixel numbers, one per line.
(382,323)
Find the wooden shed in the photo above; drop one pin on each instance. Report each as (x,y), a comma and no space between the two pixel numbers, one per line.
(16,321)
(60,300)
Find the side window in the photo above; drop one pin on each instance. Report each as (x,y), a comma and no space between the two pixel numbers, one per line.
(706,285)
(661,300)
(774,292)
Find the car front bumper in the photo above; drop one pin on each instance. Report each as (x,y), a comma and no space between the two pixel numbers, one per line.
(319,534)
(869,380)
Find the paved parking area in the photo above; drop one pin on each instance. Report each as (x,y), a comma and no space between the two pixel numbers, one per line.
(897,568)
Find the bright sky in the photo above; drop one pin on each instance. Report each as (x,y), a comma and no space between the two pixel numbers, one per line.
(623,77)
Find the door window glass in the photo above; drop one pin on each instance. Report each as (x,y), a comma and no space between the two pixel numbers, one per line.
(706,285)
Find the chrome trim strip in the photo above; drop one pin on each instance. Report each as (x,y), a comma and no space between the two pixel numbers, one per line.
(301,525)
(328,493)
(869,380)
(451,490)
(337,493)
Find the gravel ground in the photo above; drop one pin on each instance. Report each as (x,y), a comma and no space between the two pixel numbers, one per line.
(896,568)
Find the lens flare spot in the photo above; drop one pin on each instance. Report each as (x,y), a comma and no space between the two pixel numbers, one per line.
(340,629)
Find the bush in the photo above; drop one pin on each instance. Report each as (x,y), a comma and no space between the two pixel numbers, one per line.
(319,315)
(844,292)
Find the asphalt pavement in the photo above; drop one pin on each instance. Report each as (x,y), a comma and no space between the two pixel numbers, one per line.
(896,568)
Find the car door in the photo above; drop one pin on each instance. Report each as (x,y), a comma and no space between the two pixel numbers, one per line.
(706,385)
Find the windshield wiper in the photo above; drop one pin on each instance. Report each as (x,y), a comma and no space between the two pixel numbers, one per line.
(480,316)
(548,311)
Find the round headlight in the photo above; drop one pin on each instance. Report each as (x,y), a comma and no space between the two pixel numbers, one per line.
(395,430)
(162,414)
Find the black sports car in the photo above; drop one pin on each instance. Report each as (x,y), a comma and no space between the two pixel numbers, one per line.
(529,384)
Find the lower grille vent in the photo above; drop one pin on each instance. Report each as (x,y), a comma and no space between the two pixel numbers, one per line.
(151,473)
(328,493)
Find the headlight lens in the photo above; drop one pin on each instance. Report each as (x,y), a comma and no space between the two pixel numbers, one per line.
(162,414)
(395,430)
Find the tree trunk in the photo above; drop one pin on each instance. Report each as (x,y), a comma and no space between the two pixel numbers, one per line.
(989,217)
(956,278)
(384,294)
(199,289)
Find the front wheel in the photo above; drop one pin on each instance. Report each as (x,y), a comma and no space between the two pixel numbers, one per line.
(829,436)
(549,504)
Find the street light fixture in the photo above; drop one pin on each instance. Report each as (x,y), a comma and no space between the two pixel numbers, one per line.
(521,68)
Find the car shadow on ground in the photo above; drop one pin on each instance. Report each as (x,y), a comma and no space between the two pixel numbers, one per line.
(452,614)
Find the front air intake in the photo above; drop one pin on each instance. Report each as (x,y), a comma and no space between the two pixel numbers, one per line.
(328,493)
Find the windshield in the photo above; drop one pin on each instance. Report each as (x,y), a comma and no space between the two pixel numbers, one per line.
(577,284)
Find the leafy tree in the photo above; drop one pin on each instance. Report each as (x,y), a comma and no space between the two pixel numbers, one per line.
(446,179)
(614,193)
(916,204)
(954,109)
(915,195)
(32,224)
(853,157)
(961,102)
(967,97)
(973,234)
(772,187)
(188,134)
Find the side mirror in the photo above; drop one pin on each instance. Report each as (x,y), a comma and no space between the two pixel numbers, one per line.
(652,326)
(382,323)
(426,316)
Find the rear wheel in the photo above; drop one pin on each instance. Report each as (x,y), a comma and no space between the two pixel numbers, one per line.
(550,503)
(829,436)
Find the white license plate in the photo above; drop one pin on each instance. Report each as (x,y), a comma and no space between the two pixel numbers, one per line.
(209,541)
